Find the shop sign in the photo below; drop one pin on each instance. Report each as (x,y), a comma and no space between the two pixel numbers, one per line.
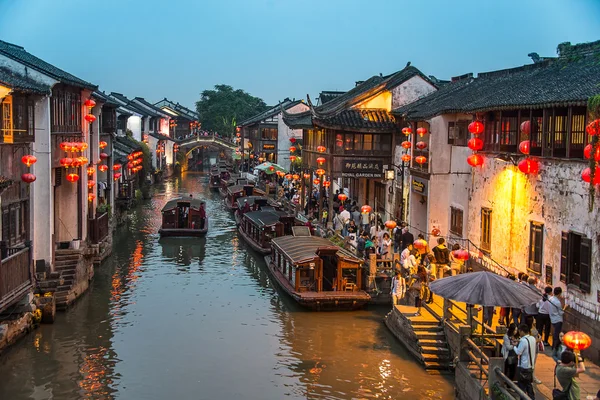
(418,186)
(362,169)
(267,146)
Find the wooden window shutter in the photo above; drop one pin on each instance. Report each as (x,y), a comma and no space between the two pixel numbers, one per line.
(585,264)
(564,256)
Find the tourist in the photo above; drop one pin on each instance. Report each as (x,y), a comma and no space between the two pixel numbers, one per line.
(442,258)
(405,253)
(397,235)
(360,244)
(556,315)
(567,371)
(543,317)
(344,218)
(526,352)
(365,221)
(377,230)
(352,230)
(296,198)
(311,228)
(509,342)
(356,215)
(419,285)
(561,348)
(407,237)
(386,250)
(456,265)
(411,262)
(398,288)
(488,315)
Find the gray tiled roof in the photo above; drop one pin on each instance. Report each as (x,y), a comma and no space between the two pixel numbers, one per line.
(19,54)
(125,102)
(159,112)
(286,104)
(178,108)
(360,120)
(21,83)
(327,95)
(302,120)
(108,101)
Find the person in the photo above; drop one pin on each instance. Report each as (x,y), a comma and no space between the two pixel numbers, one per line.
(398,288)
(246,207)
(365,221)
(369,246)
(344,218)
(296,198)
(376,229)
(543,318)
(419,283)
(531,310)
(407,238)
(456,265)
(405,253)
(311,228)
(567,371)
(356,215)
(360,244)
(397,235)
(509,342)
(386,249)
(324,216)
(557,351)
(556,315)
(411,262)
(488,315)
(352,228)
(442,258)
(526,352)
(202,213)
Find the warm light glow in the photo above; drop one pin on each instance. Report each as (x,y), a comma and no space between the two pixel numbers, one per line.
(103,168)
(316,182)
(91,170)
(461,254)
(406,158)
(306,176)
(475,160)
(366,209)
(407,131)
(320,160)
(116,176)
(476,127)
(390,224)
(91,184)
(292,149)
(90,103)
(421,131)
(475,144)
(587,152)
(406,144)
(73,177)
(382,100)
(577,341)
(321,149)
(91,197)
(524,146)
(293,158)
(342,197)
(102,144)
(28,178)
(28,160)
(66,162)
(90,117)
(529,166)
(420,244)
(320,172)
(296,176)
(327,184)
(420,160)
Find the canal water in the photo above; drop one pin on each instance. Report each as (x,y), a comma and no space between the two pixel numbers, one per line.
(200,319)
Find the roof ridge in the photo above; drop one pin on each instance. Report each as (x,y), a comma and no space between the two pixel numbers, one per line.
(12,45)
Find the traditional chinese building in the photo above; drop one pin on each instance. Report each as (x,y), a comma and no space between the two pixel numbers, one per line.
(184,122)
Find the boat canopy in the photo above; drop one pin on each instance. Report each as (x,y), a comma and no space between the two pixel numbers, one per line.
(173,203)
(300,249)
(261,200)
(264,218)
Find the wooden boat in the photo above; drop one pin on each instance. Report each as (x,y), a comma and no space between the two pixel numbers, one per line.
(255,203)
(237,191)
(184,217)
(258,228)
(316,273)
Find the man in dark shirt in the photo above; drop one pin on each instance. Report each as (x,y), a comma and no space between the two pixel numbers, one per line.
(442,257)
(407,237)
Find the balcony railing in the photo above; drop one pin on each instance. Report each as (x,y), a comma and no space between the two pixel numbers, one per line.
(98,228)
(16,136)
(15,275)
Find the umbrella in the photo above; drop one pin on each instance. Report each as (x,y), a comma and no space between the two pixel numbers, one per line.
(485,288)
(265,167)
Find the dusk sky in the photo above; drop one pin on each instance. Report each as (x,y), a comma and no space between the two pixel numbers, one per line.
(279,48)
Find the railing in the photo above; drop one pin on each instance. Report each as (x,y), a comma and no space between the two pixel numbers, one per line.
(501,383)
(15,276)
(98,228)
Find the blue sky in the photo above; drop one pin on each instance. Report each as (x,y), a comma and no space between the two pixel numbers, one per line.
(284,48)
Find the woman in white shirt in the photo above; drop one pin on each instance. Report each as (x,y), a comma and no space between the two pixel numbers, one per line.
(386,249)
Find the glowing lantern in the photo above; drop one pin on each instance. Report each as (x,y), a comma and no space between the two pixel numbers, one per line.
(421,131)
(280,174)
(116,167)
(103,156)
(475,144)
(420,160)
(421,145)
(91,184)
(342,197)
(288,176)
(271,168)
(321,149)
(91,170)
(525,146)
(102,144)
(529,166)
(292,149)
(475,160)
(296,177)
(90,117)
(407,131)
(83,146)
(117,176)
(293,158)
(90,103)
(293,140)
(587,152)
(65,146)
(261,159)
(28,160)
(83,160)
(420,244)
(28,178)
(316,182)
(577,340)
(526,128)
(339,142)
(77,146)
(476,127)
(320,172)
(73,177)
(306,176)
(406,158)
(406,144)
(320,160)
(251,156)
(593,128)
(238,134)
(326,184)
(130,165)
(91,197)
(76,162)
(461,254)
(103,168)
(435,232)
(390,224)
(130,157)
(586,175)
(66,162)
(366,209)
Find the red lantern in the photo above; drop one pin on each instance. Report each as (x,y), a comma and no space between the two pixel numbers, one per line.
(577,340)
(130,157)
(420,244)
(91,170)
(339,142)
(526,128)
(66,162)
(280,174)
(90,103)
(306,176)
(292,158)
(90,117)
(271,168)
(587,152)
(116,167)
(529,166)
(316,182)
(406,158)
(251,156)
(102,144)
(28,160)
(65,146)
(288,176)
(91,184)
(238,134)
(342,197)
(83,146)
(525,145)
(130,165)
(407,131)
(593,128)
(421,131)
(586,175)
(73,177)
(292,149)
(296,177)
(421,145)
(327,184)
(366,209)
(435,232)
(117,176)
(406,144)
(320,160)
(461,254)
(320,172)
(321,149)
(28,178)
(76,162)
(475,144)
(103,156)
(420,160)
(476,127)
(103,168)
(91,197)
(293,139)
(390,224)
(475,160)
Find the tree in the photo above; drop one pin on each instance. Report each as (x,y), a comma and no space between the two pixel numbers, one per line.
(221,109)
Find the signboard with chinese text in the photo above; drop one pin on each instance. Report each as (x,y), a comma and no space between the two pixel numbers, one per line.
(362,169)
(268,146)
(419,186)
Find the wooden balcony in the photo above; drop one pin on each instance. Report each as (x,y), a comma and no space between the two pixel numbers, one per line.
(98,228)
(16,136)
(15,275)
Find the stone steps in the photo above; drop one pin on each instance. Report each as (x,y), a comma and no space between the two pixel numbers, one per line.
(435,350)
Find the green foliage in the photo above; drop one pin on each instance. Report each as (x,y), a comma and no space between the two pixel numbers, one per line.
(222,108)
(594,106)
(146,164)
(103,208)
(129,132)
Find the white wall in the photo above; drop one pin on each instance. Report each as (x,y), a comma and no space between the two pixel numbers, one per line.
(134,124)
(284,133)
(411,90)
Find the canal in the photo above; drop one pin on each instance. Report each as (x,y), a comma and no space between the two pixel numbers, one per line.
(199,319)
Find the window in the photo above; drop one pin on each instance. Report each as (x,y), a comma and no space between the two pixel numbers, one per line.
(456,221)
(65,111)
(576,260)
(486,229)
(536,245)
(15,223)
(458,133)
(269,133)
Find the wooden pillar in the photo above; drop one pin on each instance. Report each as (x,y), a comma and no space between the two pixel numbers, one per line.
(302,191)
